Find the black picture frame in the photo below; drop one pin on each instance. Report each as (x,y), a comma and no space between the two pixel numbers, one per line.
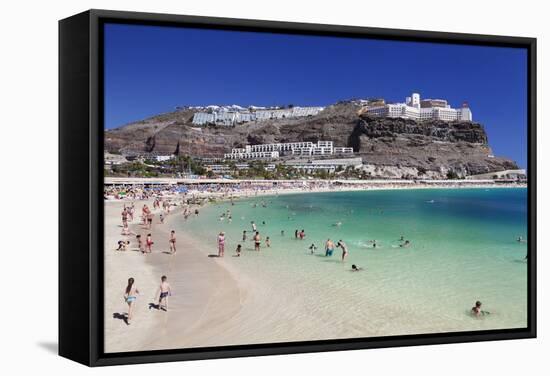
(80,174)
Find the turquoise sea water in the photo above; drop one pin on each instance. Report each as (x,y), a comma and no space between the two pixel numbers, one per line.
(463,249)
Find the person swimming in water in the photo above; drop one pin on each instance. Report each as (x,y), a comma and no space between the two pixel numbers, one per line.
(355,268)
(476,310)
(312,248)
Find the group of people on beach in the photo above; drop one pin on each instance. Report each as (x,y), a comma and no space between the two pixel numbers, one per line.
(131,293)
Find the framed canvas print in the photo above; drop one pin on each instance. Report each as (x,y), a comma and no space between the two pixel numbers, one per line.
(239,187)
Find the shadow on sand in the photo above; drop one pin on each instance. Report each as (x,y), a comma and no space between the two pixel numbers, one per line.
(213,255)
(121,316)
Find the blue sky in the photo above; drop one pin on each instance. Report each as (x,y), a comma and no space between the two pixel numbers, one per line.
(151,70)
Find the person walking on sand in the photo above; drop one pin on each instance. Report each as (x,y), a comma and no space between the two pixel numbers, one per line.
(130,296)
(257,241)
(124,216)
(221,244)
(267,242)
(165,291)
(344,247)
(140,243)
(172,242)
(148,244)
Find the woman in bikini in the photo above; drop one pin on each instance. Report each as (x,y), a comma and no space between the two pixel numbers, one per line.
(130,296)
(342,245)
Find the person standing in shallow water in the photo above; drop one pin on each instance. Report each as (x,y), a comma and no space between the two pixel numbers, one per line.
(257,241)
(329,248)
(130,296)
(344,247)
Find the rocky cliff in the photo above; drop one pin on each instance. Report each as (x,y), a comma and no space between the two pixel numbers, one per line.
(389,147)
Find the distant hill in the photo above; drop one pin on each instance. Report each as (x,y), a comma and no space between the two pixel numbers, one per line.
(389,147)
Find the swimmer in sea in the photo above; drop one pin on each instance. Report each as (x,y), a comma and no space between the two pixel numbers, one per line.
(476,310)
(405,245)
(312,248)
(282,232)
(244,235)
(355,268)
(267,242)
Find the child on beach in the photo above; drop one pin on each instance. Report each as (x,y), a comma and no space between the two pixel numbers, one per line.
(238,251)
(221,244)
(244,235)
(312,248)
(172,241)
(355,268)
(122,245)
(130,296)
(148,244)
(161,216)
(164,292)
(477,312)
(267,242)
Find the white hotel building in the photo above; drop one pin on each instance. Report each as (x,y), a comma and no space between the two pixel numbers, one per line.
(420,110)
(273,151)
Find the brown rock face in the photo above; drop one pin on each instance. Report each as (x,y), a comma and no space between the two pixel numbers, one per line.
(433,145)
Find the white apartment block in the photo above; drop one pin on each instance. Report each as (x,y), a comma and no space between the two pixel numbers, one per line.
(420,110)
(273,151)
(230,116)
(330,165)
(240,154)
